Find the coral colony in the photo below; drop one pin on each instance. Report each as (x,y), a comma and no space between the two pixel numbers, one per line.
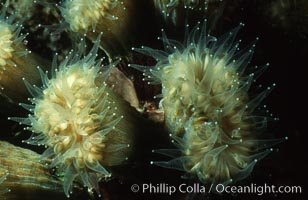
(89,126)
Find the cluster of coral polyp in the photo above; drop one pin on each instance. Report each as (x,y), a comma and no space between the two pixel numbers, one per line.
(85,114)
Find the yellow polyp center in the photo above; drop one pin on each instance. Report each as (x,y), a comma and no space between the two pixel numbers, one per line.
(6,41)
(189,84)
(83,15)
(66,115)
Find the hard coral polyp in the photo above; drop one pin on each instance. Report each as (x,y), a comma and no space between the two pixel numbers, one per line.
(16,62)
(24,175)
(207,108)
(173,9)
(86,127)
(116,19)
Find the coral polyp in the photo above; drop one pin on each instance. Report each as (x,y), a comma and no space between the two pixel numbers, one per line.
(30,178)
(113,18)
(6,41)
(170,9)
(22,10)
(208,111)
(85,15)
(86,127)
(3,175)
(16,61)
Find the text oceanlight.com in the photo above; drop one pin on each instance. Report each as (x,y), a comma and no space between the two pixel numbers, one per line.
(163,188)
(258,189)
